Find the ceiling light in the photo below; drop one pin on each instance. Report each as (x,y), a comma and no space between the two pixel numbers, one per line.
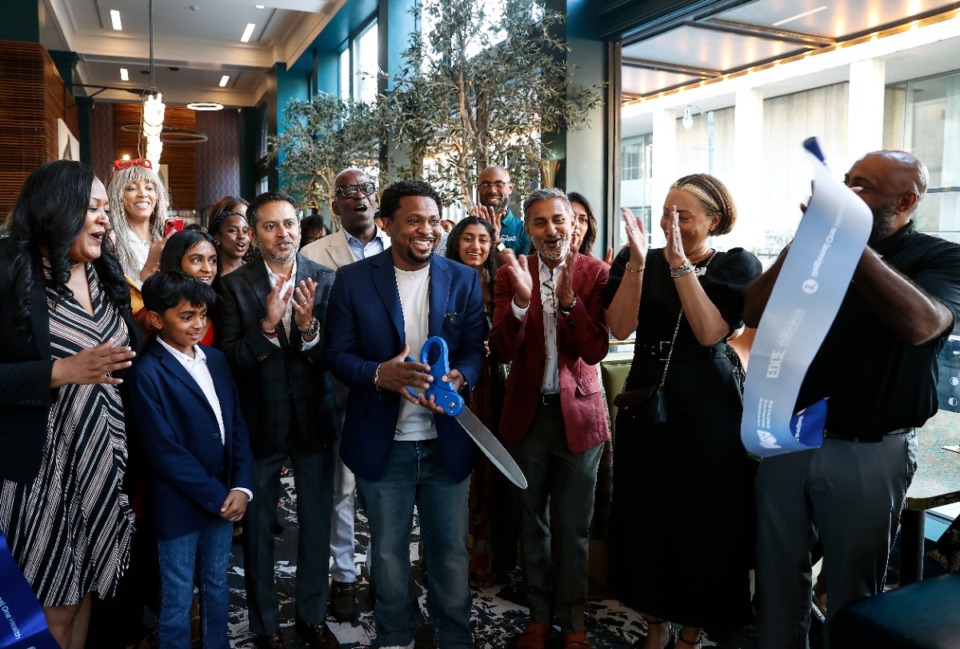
(259,6)
(687,120)
(205,105)
(799,16)
(247,33)
(124,75)
(223,80)
(115,19)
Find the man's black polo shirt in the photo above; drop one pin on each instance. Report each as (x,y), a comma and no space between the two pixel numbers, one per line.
(877,383)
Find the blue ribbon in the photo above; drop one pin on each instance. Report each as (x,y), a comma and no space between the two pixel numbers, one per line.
(802,307)
(22,623)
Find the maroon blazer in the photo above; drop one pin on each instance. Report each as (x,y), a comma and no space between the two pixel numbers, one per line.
(583,340)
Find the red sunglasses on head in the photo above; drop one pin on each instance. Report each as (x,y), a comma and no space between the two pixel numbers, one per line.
(126,164)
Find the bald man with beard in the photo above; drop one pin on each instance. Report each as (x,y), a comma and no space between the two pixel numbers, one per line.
(878,367)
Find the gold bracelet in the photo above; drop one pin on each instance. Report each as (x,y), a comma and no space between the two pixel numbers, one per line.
(634,270)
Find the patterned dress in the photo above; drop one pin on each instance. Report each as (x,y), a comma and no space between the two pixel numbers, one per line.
(70,528)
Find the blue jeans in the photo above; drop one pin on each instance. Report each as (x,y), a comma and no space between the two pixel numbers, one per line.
(416,475)
(178,562)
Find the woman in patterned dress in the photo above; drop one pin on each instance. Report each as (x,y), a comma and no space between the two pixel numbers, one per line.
(66,336)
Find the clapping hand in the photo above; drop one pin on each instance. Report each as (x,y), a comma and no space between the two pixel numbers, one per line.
(564,284)
(636,238)
(489,215)
(277,304)
(673,251)
(518,275)
(303,303)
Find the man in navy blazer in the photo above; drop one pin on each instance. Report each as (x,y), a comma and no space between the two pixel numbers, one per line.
(404,451)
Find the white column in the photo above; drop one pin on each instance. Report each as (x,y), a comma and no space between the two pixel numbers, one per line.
(748,168)
(664,167)
(865,108)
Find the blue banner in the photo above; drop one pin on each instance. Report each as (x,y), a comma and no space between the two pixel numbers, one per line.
(808,292)
(22,623)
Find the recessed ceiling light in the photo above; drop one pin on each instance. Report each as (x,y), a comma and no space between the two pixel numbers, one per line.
(205,105)
(259,6)
(124,75)
(115,19)
(247,33)
(223,80)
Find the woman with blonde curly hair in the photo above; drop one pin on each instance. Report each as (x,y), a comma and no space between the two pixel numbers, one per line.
(139,203)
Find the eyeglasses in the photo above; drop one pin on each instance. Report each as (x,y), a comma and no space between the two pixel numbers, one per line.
(498,184)
(352,191)
(126,164)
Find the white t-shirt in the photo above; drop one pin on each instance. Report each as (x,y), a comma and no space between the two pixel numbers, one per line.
(415,422)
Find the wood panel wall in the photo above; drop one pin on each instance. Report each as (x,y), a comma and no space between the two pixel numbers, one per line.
(32,98)
(181,158)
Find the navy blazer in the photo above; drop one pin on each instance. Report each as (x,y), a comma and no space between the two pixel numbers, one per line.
(365,328)
(25,370)
(281,387)
(193,471)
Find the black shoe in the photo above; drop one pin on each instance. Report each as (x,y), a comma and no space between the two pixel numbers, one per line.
(343,601)
(269,642)
(318,636)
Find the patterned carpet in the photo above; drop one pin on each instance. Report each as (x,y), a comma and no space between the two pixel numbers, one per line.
(498,612)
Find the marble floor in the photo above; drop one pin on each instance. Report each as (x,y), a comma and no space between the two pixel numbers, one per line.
(498,612)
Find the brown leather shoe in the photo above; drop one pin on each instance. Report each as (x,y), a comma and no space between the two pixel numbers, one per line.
(576,640)
(535,637)
(318,636)
(269,642)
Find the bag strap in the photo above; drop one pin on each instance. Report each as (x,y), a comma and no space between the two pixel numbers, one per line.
(666,366)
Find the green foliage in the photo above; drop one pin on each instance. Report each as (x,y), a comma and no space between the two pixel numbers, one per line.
(480,88)
(321,137)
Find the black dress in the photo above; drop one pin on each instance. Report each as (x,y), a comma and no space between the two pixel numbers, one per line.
(690,478)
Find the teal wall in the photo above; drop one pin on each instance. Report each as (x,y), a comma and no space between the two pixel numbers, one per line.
(21,21)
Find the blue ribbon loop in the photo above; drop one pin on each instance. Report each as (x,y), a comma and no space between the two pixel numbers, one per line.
(801,309)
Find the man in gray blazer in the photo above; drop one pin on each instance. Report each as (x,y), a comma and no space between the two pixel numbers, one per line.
(355,202)
(271,320)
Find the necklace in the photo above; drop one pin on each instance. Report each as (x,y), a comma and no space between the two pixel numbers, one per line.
(700,271)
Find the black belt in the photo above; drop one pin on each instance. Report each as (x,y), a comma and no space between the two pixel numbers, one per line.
(549,399)
(661,349)
(854,437)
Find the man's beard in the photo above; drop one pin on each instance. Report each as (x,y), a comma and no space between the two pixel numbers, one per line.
(883,220)
(558,254)
(280,259)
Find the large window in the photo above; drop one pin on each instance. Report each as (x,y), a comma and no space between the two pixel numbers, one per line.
(359,66)
(924,118)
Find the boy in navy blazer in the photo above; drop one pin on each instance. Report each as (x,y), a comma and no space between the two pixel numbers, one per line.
(188,416)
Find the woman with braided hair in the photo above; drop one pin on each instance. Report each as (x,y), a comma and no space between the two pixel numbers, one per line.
(228,226)
(681,475)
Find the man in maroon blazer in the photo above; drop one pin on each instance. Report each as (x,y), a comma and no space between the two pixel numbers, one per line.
(549,322)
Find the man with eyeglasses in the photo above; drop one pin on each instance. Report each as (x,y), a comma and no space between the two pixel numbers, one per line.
(548,321)
(359,237)
(493,192)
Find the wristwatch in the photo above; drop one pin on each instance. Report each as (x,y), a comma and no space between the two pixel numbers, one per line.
(569,310)
(312,330)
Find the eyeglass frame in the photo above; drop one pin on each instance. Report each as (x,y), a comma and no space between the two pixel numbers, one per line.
(499,184)
(354,189)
